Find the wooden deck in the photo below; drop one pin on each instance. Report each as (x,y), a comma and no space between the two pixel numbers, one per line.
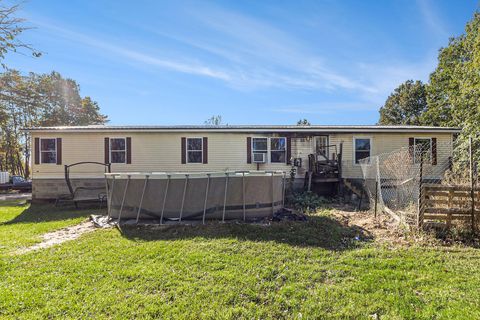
(324,168)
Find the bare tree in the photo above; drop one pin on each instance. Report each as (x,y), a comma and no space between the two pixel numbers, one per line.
(303,122)
(214,121)
(10,28)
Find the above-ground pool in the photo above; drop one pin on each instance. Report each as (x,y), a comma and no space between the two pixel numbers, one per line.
(242,195)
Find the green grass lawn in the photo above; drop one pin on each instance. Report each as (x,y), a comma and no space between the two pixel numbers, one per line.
(314,269)
(22,225)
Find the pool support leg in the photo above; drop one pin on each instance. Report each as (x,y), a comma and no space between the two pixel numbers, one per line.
(109,200)
(206,198)
(165,198)
(183,197)
(123,199)
(225,196)
(273,196)
(243,197)
(141,198)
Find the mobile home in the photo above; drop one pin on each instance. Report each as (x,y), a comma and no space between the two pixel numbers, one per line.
(220,148)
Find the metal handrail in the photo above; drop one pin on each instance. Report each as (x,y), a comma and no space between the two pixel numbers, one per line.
(107,169)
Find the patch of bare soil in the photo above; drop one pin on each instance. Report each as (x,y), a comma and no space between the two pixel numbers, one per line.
(383,228)
(386,230)
(57,237)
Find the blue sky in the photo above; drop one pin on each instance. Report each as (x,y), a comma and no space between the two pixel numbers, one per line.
(253,62)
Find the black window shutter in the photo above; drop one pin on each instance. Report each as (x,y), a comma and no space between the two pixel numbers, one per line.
(129,150)
(434,151)
(184,150)
(411,147)
(289,150)
(59,150)
(205,150)
(37,150)
(107,150)
(249,150)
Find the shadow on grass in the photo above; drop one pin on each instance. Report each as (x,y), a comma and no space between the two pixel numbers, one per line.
(48,212)
(319,231)
(459,233)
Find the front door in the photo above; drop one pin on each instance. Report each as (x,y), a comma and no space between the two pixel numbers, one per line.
(321,147)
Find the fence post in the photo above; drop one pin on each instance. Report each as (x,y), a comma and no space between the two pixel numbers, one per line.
(451,196)
(376,197)
(472,186)
(420,195)
(378,185)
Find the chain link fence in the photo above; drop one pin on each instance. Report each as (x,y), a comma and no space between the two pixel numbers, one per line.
(393,180)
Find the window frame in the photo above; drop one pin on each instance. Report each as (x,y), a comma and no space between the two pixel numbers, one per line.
(110,150)
(284,151)
(260,151)
(415,149)
(354,148)
(315,140)
(41,151)
(186,150)
(268,151)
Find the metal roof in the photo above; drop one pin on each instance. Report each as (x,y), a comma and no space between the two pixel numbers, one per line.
(245,128)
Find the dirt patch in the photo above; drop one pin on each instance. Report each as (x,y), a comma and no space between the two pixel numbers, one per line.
(383,228)
(57,237)
(386,230)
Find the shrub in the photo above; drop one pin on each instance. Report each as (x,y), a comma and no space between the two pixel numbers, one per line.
(306,201)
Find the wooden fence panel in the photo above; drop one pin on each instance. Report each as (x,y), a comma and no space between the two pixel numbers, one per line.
(448,203)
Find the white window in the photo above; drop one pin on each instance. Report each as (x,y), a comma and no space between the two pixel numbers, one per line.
(321,147)
(260,145)
(278,150)
(194,150)
(362,149)
(276,147)
(423,150)
(118,150)
(48,150)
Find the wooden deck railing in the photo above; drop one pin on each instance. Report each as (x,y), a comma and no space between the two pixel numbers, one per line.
(326,164)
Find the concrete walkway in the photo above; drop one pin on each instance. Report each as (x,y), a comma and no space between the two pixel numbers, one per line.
(60,236)
(15,196)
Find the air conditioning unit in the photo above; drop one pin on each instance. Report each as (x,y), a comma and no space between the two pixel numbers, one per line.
(259,157)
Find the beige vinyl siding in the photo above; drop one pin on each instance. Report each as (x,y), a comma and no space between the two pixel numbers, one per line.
(388,142)
(301,148)
(159,152)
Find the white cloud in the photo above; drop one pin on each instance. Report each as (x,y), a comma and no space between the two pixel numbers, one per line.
(282,59)
(325,108)
(134,55)
(249,54)
(432,18)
